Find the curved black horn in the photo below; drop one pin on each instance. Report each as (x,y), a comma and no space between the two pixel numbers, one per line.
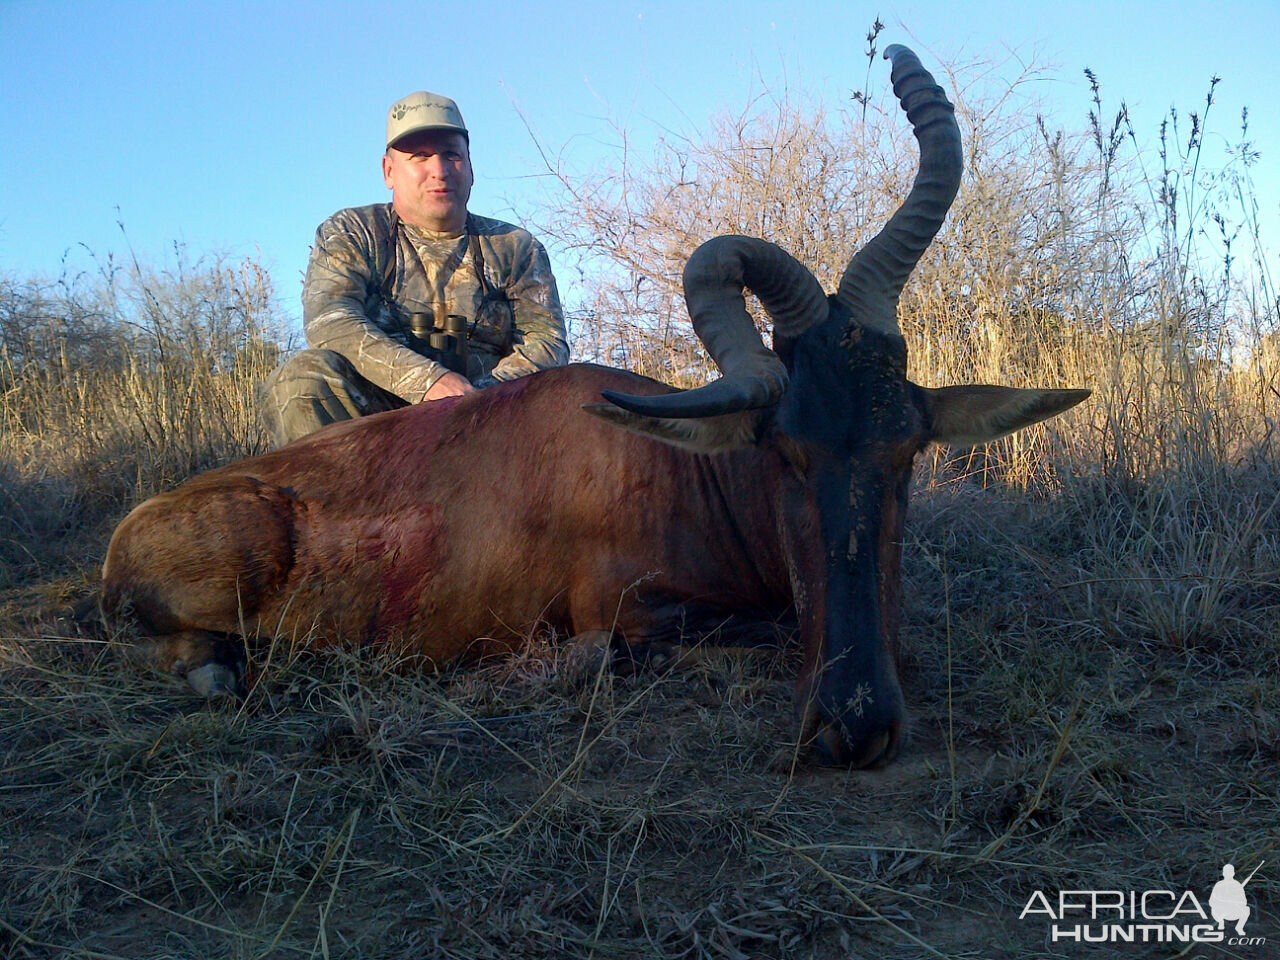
(874,278)
(714,279)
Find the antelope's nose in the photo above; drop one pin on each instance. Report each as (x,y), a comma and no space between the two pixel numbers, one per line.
(857,742)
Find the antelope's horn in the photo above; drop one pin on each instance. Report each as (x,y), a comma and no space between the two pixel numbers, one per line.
(874,278)
(714,279)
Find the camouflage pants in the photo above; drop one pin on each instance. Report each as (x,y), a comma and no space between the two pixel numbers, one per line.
(318,387)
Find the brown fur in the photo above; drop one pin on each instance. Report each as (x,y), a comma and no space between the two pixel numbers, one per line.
(452,528)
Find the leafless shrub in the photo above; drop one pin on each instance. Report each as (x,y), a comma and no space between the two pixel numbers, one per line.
(1062,261)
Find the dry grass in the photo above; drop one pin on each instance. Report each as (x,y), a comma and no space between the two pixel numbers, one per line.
(537,808)
(116,386)
(1091,650)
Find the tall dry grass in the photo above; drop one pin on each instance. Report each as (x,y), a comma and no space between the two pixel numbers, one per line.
(118,384)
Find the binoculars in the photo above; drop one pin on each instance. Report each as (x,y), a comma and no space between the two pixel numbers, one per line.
(448,344)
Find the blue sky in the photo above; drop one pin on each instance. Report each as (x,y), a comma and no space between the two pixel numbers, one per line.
(238,127)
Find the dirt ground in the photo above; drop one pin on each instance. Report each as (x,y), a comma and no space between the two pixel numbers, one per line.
(539,807)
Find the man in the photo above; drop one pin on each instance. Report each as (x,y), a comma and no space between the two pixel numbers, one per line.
(380,276)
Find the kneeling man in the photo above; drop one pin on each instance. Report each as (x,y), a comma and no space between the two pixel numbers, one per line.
(382,277)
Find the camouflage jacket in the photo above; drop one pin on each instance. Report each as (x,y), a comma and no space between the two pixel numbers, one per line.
(370,270)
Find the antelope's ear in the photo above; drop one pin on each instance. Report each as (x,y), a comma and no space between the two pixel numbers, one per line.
(729,431)
(971,415)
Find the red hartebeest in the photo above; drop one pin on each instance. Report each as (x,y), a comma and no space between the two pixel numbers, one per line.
(592,499)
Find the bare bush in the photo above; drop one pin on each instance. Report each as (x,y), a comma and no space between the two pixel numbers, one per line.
(1061,263)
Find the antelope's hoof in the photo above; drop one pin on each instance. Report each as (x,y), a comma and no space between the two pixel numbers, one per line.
(216,682)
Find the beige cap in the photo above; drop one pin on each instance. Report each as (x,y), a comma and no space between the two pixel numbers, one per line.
(421,110)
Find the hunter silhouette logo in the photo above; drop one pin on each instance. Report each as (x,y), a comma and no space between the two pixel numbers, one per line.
(1147,916)
(1227,902)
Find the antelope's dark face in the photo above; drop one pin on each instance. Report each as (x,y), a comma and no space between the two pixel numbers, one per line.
(835,403)
(849,427)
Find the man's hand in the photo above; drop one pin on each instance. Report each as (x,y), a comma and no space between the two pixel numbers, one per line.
(450,385)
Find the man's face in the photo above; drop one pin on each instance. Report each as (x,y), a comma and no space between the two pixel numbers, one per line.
(429,175)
